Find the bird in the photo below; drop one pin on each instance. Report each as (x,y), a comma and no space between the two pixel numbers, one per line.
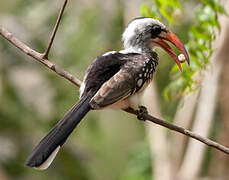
(113,80)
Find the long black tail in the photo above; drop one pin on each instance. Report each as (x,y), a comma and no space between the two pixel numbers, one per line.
(44,153)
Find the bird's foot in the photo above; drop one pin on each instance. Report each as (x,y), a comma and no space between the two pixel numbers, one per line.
(142,110)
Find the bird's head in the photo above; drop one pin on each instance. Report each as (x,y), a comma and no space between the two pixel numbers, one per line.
(144,34)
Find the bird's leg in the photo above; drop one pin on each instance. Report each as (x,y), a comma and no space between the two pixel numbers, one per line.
(141,111)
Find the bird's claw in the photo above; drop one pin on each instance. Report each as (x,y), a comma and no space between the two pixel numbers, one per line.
(141,111)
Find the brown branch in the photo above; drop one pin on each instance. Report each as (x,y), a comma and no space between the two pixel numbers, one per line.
(187,133)
(38,56)
(145,116)
(46,53)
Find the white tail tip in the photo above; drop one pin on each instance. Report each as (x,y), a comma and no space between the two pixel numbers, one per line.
(47,163)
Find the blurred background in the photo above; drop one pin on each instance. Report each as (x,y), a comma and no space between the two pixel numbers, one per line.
(110,144)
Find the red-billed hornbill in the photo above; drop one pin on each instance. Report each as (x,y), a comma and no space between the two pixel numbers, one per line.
(113,80)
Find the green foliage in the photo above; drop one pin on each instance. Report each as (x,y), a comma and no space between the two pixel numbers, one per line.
(139,167)
(201,34)
(162,9)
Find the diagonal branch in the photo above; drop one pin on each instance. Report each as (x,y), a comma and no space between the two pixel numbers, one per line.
(187,133)
(145,116)
(46,53)
(38,56)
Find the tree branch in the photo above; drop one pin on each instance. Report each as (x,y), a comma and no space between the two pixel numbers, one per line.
(145,116)
(38,56)
(46,53)
(186,132)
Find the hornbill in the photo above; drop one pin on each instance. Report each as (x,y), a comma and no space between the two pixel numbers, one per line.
(113,80)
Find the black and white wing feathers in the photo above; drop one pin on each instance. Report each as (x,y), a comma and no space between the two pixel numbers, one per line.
(118,76)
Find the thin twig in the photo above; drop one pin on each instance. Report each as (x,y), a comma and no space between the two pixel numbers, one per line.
(181,130)
(38,56)
(187,133)
(46,53)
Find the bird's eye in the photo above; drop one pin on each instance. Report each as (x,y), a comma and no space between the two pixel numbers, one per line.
(155,31)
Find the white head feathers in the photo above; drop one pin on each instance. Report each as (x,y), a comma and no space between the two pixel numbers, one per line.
(134,28)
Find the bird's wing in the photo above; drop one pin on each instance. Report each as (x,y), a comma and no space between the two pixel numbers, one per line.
(118,87)
(116,76)
(101,70)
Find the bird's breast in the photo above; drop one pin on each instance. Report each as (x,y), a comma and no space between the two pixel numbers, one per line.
(145,74)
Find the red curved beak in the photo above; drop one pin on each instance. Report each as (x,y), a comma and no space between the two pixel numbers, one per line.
(171,37)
